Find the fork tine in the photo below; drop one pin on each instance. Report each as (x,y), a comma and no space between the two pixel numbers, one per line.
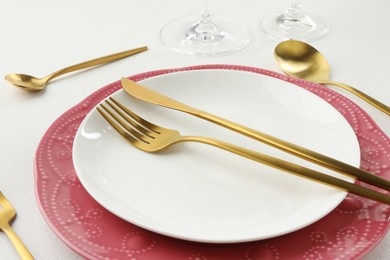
(5,203)
(135,127)
(126,122)
(144,123)
(8,214)
(115,123)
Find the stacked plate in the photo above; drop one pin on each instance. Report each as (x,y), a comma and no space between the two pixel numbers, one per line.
(105,198)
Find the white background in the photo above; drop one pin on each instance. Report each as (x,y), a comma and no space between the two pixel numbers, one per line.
(41,36)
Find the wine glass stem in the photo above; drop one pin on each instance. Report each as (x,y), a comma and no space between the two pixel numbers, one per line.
(205,10)
(204,30)
(205,15)
(295,9)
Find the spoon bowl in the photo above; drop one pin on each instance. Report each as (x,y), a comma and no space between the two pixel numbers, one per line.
(27,82)
(301,60)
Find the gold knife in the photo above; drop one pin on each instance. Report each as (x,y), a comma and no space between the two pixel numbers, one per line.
(143,93)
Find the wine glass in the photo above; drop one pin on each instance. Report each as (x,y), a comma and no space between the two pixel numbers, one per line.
(205,34)
(295,24)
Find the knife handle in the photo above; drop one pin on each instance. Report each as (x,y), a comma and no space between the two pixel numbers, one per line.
(296,150)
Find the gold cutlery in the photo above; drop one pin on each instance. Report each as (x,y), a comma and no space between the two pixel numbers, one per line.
(7,215)
(149,137)
(31,83)
(300,60)
(140,92)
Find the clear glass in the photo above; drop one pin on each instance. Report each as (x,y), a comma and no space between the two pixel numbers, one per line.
(205,34)
(294,23)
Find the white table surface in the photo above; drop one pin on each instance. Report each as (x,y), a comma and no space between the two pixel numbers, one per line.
(41,36)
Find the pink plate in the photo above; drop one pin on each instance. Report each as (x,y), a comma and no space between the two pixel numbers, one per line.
(348,232)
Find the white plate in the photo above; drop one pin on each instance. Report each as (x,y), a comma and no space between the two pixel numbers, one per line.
(200,193)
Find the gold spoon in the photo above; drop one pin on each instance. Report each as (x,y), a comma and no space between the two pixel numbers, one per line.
(299,59)
(31,83)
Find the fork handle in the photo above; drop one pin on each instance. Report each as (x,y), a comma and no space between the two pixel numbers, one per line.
(303,153)
(17,242)
(295,169)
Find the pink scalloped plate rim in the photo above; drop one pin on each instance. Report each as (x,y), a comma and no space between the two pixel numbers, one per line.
(350,231)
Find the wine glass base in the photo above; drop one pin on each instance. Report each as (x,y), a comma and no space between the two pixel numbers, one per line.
(230,35)
(307,27)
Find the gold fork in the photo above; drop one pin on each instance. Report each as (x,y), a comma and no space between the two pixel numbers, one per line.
(149,137)
(7,215)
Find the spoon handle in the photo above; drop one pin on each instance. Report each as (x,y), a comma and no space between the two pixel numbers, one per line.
(382,107)
(97,61)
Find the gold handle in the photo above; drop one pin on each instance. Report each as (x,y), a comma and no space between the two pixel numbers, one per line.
(97,61)
(17,242)
(375,103)
(299,151)
(295,169)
